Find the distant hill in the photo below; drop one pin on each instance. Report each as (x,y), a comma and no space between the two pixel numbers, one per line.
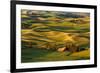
(57,14)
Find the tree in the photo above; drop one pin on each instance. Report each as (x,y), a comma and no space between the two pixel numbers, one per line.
(72,46)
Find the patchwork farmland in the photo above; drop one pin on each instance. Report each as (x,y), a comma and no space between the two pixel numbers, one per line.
(54,36)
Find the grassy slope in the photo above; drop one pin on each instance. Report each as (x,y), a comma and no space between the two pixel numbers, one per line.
(58,33)
(39,55)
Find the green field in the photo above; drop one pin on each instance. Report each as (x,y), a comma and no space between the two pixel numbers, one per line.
(54,36)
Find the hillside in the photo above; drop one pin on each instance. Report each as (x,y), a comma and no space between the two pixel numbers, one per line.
(44,32)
